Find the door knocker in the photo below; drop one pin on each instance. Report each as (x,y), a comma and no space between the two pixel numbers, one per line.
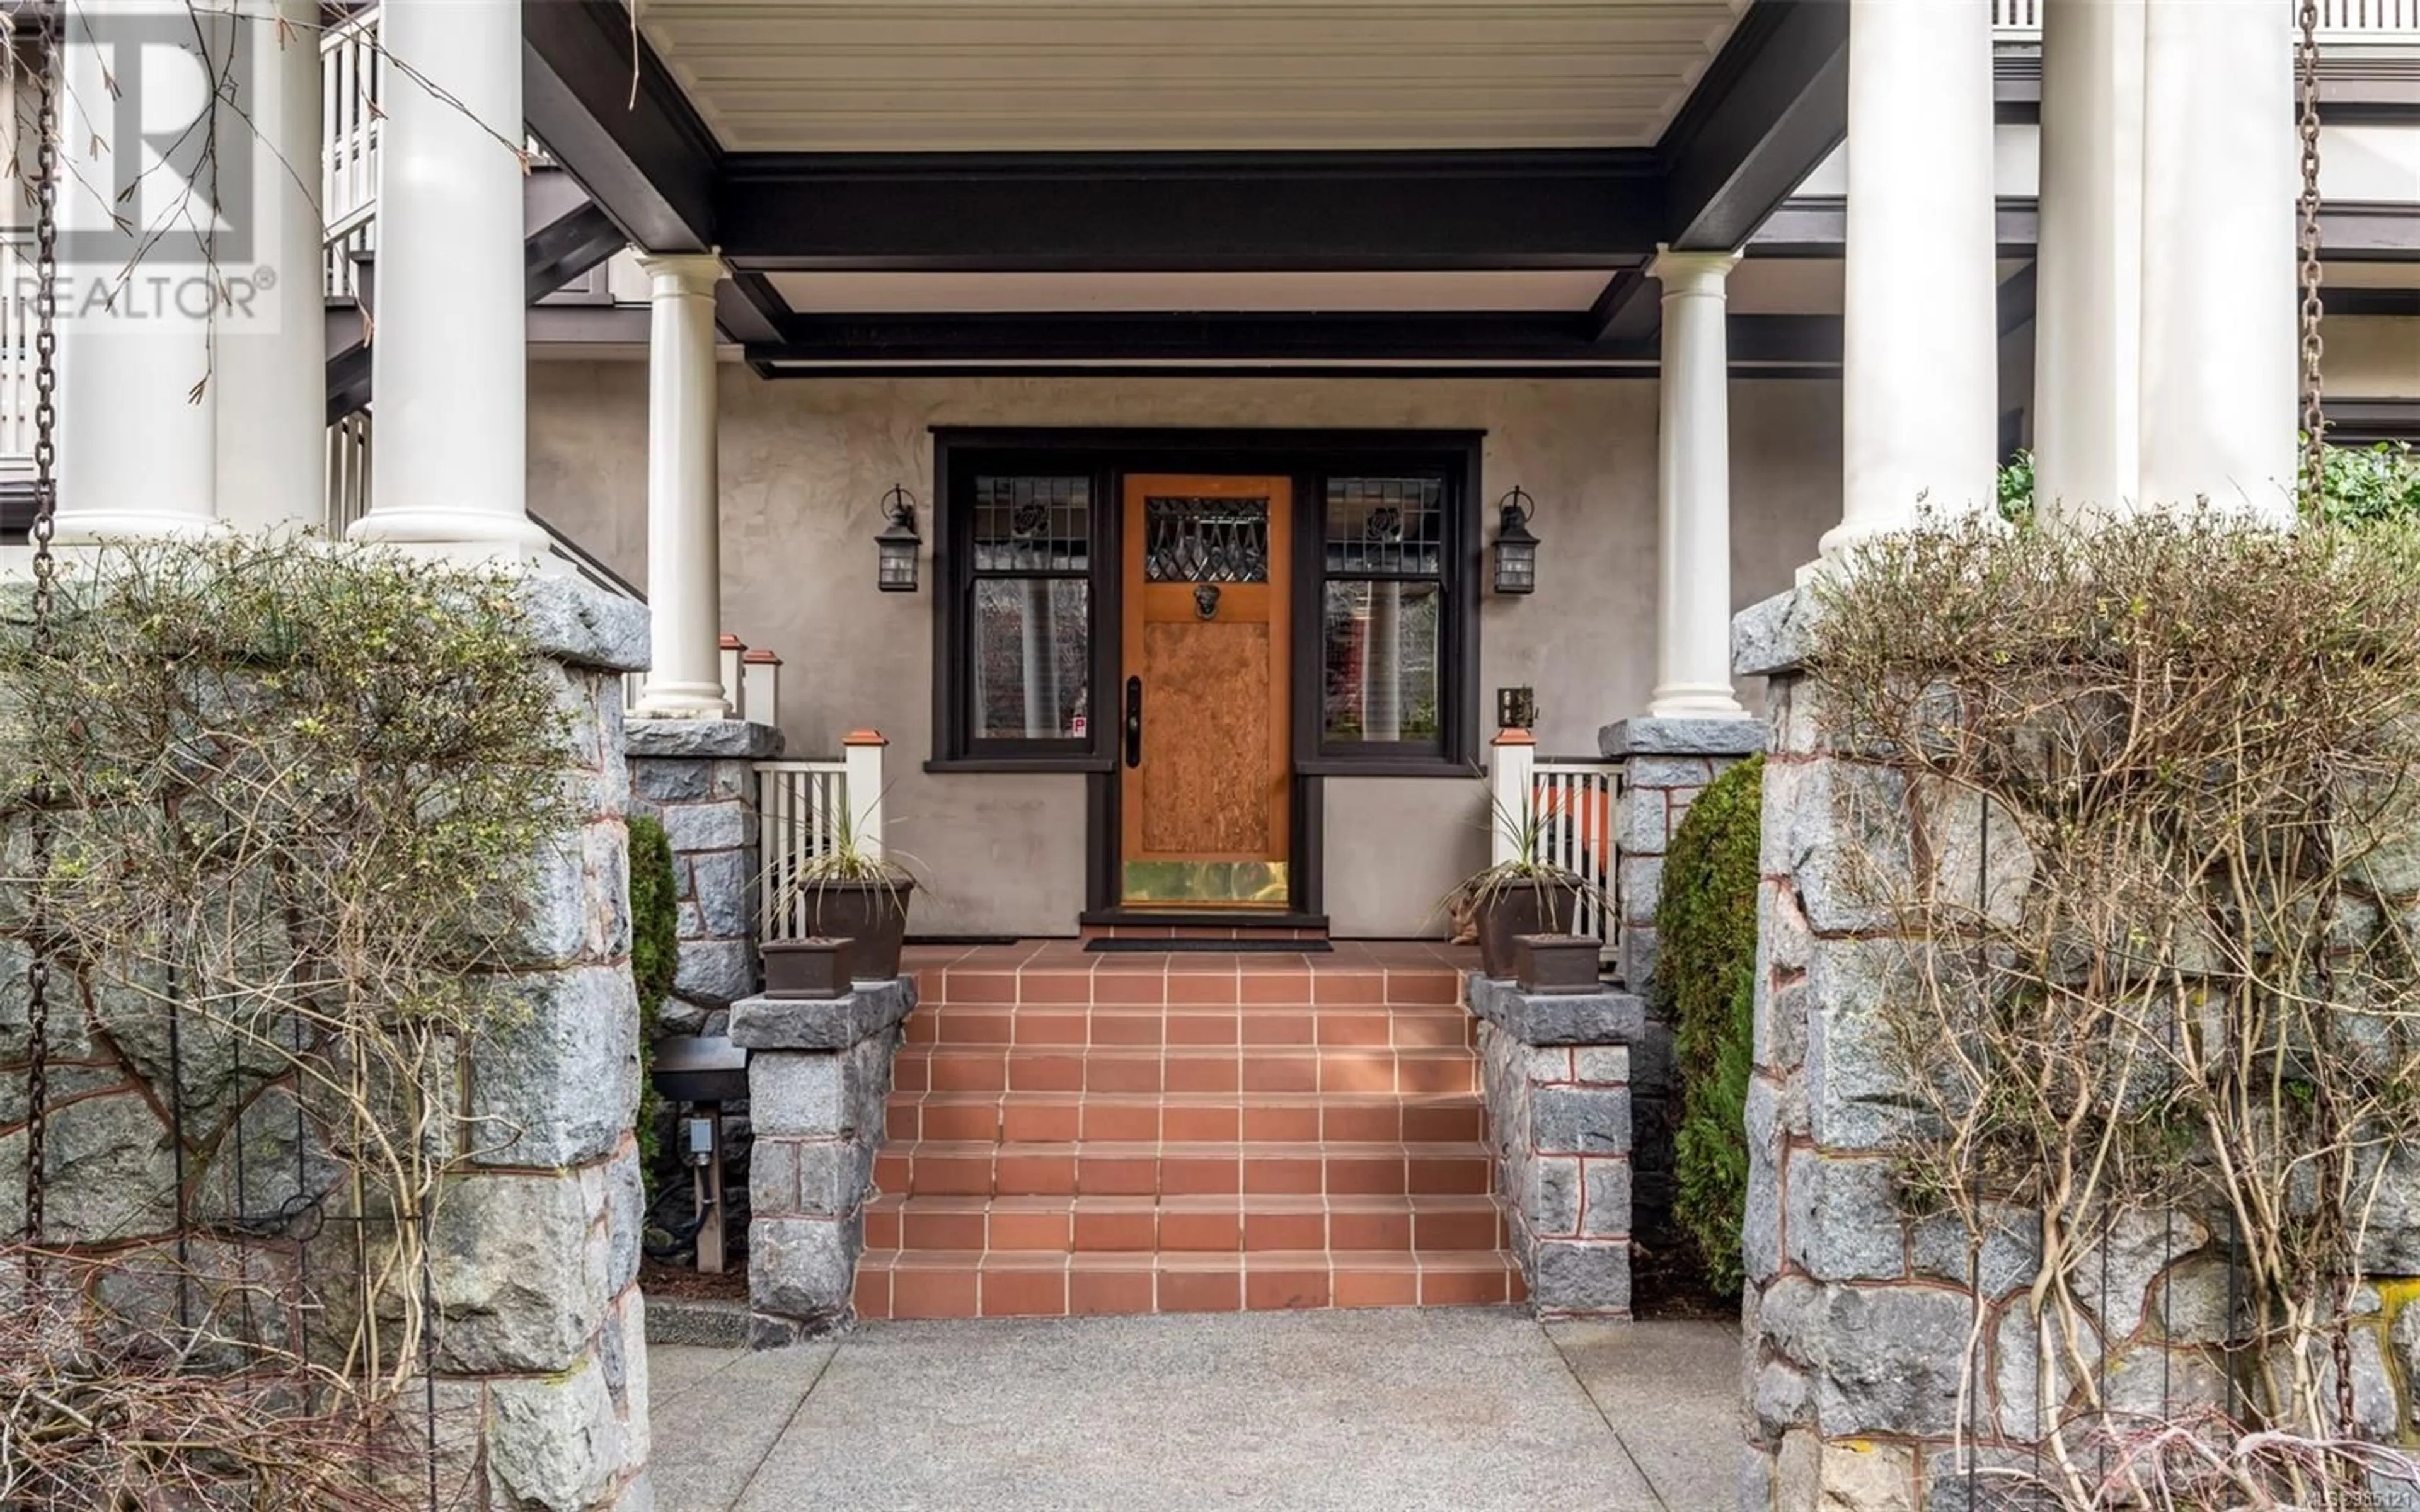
(1205,600)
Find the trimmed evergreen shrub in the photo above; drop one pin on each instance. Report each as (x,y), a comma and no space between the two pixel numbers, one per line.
(1704,985)
(654,954)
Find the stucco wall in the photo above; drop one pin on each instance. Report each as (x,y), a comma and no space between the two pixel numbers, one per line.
(805,464)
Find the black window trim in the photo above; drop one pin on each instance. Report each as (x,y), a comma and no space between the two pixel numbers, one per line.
(1108,455)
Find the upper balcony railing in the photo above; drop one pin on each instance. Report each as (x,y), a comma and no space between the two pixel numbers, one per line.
(351,126)
(2342,23)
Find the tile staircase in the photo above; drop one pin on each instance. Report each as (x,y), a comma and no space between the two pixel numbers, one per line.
(1135,1133)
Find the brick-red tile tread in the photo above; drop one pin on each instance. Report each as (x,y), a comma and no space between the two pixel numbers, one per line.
(1090,1133)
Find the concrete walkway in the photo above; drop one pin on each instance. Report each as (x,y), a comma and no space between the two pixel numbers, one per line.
(1456,1409)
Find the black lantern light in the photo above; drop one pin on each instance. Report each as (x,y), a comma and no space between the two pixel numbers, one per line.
(899,543)
(1516,549)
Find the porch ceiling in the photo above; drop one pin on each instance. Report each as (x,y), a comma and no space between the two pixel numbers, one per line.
(1076,75)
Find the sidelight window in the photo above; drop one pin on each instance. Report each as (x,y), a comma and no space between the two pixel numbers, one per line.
(1028,610)
(1385,600)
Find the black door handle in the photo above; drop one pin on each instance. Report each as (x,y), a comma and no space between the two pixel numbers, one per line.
(1134,721)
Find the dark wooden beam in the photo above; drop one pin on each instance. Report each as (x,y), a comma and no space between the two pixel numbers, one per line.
(603,104)
(2348,231)
(1774,103)
(2016,299)
(965,342)
(1188,212)
(749,309)
(565,249)
(1628,310)
(2361,422)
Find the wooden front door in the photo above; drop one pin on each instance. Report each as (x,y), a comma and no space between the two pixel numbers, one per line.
(1205,749)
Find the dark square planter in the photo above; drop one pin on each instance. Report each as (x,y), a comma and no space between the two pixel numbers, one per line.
(808,969)
(872,914)
(1556,964)
(1523,908)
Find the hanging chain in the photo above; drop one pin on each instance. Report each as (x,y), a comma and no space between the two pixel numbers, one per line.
(46,419)
(2315,424)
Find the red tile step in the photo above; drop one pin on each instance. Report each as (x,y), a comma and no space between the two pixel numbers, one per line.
(1188,1118)
(929,1168)
(901,1284)
(1074,1134)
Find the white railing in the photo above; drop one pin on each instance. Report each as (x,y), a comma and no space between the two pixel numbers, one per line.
(19,310)
(2341,22)
(751,681)
(351,126)
(347,497)
(1571,801)
(805,810)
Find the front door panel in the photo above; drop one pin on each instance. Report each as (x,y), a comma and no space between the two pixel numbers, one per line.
(1205,799)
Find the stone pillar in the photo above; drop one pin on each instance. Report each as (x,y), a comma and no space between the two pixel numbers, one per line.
(2221,170)
(138,398)
(273,350)
(1665,764)
(1859,1313)
(1558,1070)
(1919,345)
(818,1074)
(684,493)
(449,366)
(695,776)
(541,1358)
(1693,604)
(2088,313)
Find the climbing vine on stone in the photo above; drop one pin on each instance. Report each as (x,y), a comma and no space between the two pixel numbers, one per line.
(2129,874)
(286,806)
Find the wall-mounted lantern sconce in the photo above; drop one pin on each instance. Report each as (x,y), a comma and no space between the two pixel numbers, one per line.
(899,543)
(1516,549)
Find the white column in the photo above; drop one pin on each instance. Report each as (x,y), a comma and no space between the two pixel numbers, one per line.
(2088,289)
(138,401)
(1919,347)
(272,350)
(1693,492)
(684,493)
(447,367)
(2221,168)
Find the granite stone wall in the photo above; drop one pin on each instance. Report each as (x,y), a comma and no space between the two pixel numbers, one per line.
(539,1361)
(1665,764)
(1892,1364)
(818,1074)
(695,776)
(1556,1073)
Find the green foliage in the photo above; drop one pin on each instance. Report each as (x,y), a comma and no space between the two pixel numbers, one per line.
(655,956)
(2017,488)
(1705,930)
(2361,486)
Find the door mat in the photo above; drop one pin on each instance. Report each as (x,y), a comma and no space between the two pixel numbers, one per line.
(1120,946)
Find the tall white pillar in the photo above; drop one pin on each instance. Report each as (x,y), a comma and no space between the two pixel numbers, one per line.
(447,367)
(138,400)
(1693,492)
(2221,169)
(684,493)
(272,350)
(1920,347)
(2088,288)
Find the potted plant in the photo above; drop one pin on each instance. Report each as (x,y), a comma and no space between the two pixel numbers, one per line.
(1523,893)
(847,890)
(811,969)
